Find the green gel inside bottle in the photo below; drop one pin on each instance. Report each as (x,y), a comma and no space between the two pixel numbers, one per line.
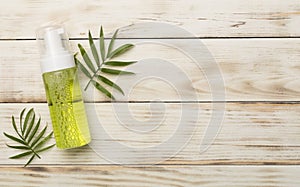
(66,107)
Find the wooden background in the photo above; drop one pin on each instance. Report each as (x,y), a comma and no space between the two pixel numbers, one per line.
(256,45)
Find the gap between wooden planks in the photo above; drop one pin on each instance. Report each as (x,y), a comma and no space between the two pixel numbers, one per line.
(151,176)
(206,18)
(252,69)
(254,133)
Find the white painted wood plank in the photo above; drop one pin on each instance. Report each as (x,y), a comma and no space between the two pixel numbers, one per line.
(252,69)
(206,18)
(254,133)
(151,176)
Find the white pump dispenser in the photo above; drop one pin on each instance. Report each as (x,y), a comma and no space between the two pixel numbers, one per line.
(54,49)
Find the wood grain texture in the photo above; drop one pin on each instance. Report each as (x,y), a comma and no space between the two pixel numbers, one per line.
(149,176)
(252,69)
(261,76)
(253,133)
(206,18)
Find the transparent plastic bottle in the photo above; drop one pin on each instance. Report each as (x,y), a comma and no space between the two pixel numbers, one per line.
(63,92)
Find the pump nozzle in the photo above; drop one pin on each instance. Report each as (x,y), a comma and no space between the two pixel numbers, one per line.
(54,42)
(54,48)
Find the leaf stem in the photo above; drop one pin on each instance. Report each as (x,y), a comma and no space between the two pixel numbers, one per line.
(31,149)
(87,85)
(96,72)
(35,153)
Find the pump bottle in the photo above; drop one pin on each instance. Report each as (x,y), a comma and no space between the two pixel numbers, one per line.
(63,92)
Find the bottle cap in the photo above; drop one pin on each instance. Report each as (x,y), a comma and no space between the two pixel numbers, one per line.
(54,48)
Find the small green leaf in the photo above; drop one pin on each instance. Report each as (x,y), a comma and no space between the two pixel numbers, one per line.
(15,126)
(121,50)
(21,155)
(110,83)
(93,72)
(17,147)
(29,161)
(86,58)
(30,127)
(119,63)
(102,44)
(82,68)
(111,43)
(46,148)
(93,49)
(28,115)
(33,132)
(21,118)
(15,139)
(102,89)
(41,134)
(29,132)
(116,72)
